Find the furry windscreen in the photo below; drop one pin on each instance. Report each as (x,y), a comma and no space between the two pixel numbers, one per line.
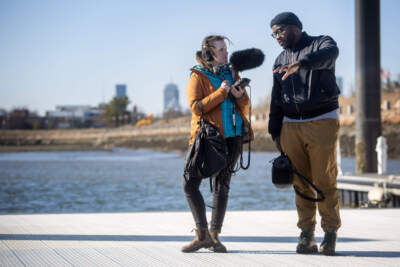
(246,59)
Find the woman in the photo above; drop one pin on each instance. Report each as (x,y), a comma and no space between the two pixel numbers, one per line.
(211,83)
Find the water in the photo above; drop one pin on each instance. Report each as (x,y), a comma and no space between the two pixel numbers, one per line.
(124,180)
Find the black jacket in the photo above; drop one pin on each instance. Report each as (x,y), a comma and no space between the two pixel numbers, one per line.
(312,90)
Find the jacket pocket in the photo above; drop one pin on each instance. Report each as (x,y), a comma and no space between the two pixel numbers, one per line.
(326,88)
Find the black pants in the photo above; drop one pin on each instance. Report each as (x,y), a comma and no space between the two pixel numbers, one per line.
(220,191)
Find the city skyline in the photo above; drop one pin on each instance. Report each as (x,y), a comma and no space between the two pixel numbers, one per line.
(75,52)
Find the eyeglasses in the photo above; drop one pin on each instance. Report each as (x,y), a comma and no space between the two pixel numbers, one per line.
(278,32)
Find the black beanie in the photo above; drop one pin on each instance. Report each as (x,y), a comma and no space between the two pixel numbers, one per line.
(287,18)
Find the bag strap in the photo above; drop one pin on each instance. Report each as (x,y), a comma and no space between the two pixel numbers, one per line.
(234,105)
(319,192)
(200,106)
(245,167)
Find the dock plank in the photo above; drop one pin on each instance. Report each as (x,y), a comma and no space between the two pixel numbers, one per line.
(368,237)
(8,257)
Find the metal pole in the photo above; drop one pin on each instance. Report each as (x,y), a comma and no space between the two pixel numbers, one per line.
(368,93)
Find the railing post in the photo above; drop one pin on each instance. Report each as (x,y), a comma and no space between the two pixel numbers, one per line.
(381,149)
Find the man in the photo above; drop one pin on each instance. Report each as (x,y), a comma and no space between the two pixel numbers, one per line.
(304,124)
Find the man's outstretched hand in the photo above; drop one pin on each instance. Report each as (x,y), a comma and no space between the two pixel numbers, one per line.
(288,69)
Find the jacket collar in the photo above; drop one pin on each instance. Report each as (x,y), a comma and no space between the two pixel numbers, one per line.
(303,42)
(197,69)
(217,72)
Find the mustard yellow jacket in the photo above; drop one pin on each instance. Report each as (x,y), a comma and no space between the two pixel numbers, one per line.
(201,89)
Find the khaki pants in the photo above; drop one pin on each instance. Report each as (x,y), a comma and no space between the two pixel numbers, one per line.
(311,146)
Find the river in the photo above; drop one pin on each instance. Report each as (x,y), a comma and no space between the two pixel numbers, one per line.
(124,180)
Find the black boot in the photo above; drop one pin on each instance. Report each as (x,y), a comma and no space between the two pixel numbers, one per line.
(201,240)
(328,245)
(217,246)
(307,243)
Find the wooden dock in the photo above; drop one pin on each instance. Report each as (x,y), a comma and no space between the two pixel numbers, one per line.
(368,237)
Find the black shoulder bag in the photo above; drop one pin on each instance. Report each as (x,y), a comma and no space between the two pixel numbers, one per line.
(208,154)
(282,176)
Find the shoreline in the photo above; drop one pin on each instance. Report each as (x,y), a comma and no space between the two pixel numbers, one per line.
(48,148)
(169,137)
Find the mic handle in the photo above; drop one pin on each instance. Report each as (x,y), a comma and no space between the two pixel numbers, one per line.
(242,82)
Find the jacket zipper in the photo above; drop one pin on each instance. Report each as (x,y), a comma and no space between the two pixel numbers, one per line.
(233,106)
(309,85)
(294,93)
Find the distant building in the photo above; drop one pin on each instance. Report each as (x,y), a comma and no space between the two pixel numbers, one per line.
(72,116)
(136,115)
(171,98)
(339,82)
(390,108)
(20,118)
(120,90)
(3,118)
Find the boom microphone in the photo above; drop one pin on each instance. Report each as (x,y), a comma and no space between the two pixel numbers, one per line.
(246,59)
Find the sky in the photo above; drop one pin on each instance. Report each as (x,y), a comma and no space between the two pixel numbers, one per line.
(74,52)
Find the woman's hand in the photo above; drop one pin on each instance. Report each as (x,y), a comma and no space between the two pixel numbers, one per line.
(226,86)
(237,91)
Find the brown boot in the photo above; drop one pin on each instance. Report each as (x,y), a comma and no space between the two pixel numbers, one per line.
(217,246)
(307,243)
(328,245)
(201,240)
